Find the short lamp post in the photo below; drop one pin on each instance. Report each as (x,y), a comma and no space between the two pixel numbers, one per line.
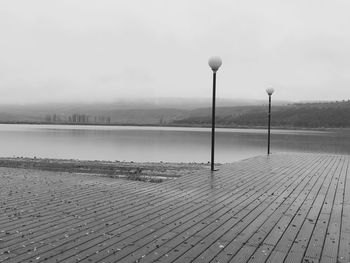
(214,63)
(269,92)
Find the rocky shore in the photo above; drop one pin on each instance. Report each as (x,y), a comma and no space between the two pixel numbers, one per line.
(151,172)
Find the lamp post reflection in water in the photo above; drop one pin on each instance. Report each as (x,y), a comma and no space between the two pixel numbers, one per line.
(214,63)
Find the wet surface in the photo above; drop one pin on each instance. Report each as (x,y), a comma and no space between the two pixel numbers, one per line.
(290,207)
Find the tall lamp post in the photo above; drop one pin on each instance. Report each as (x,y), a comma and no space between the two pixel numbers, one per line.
(214,63)
(269,92)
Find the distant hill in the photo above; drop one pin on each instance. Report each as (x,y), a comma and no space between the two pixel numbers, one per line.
(139,111)
(184,112)
(298,115)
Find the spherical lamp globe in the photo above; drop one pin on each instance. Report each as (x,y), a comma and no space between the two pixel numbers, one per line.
(269,91)
(215,63)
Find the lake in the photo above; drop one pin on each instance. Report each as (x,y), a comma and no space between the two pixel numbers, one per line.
(154,144)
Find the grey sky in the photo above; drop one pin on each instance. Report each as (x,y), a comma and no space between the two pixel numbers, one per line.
(56,50)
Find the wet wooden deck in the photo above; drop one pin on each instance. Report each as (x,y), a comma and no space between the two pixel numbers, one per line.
(282,208)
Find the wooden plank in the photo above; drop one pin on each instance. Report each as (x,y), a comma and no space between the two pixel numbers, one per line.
(300,244)
(283,223)
(182,225)
(258,237)
(316,240)
(344,239)
(288,201)
(289,236)
(331,245)
(241,224)
(260,254)
(243,213)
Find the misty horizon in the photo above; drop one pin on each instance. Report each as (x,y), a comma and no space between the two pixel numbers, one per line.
(168,102)
(84,51)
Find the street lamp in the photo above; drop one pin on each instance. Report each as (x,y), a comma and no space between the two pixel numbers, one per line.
(214,63)
(269,92)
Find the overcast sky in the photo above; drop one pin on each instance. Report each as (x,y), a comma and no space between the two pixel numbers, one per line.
(102,50)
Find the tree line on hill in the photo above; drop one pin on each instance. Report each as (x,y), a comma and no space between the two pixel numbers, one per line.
(298,115)
(301,115)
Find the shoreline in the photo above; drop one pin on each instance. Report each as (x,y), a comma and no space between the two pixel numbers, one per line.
(181,126)
(145,171)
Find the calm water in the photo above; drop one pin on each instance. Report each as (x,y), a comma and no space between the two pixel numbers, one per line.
(160,143)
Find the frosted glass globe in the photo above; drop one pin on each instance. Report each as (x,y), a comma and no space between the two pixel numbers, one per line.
(270,91)
(215,63)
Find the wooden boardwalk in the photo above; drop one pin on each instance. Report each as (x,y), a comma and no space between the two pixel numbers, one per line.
(282,208)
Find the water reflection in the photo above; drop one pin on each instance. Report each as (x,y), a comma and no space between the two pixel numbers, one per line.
(160,143)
